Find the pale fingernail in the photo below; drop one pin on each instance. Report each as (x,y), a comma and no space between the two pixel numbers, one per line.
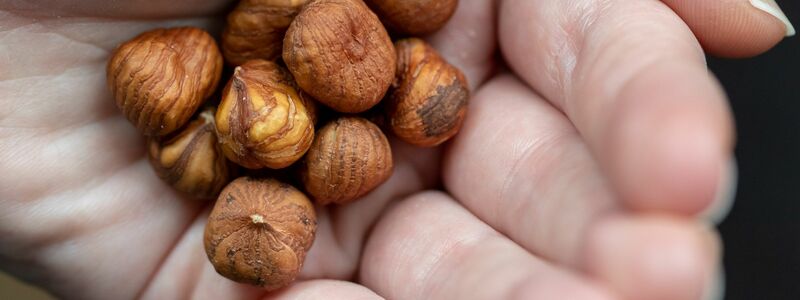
(772,8)
(726,193)
(715,290)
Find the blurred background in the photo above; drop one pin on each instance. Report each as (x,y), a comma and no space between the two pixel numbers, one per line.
(762,233)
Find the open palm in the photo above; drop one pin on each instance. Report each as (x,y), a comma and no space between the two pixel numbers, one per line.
(583,189)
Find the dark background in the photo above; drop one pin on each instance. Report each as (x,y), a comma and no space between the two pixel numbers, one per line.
(762,233)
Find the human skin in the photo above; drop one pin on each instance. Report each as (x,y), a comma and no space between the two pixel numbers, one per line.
(585,162)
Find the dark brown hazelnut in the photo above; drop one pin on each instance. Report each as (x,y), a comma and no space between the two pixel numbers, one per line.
(428,100)
(190,159)
(349,158)
(341,54)
(259,232)
(262,122)
(255,29)
(414,17)
(160,78)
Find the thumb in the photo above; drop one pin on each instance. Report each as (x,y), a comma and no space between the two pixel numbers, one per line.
(735,28)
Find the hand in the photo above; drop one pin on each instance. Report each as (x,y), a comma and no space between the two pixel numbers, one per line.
(553,192)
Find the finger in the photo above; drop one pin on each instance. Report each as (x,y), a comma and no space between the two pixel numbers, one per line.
(429,247)
(529,175)
(734,28)
(632,79)
(325,289)
(653,257)
(468,40)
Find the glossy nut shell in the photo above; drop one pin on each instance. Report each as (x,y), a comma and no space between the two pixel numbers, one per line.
(262,122)
(160,78)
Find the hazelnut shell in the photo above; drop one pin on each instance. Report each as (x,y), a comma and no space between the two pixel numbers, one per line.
(340,53)
(259,232)
(414,17)
(262,120)
(428,101)
(190,159)
(255,29)
(160,78)
(349,158)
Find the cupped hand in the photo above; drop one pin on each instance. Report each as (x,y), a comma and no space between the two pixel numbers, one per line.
(587,155)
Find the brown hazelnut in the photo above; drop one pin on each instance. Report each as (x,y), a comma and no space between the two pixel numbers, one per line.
(340,53)
(428,100)
(259,232)
(349,158)
(309,102)
(262,121)
(190,159)
(418,17)
(255,29)
(161,77)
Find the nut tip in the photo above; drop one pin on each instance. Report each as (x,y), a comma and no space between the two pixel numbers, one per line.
(257,219)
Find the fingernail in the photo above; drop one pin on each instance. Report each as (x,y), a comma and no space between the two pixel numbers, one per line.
(726,193)
(772,8)
(715,289)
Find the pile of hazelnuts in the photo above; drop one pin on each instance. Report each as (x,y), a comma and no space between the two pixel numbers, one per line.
(313,85)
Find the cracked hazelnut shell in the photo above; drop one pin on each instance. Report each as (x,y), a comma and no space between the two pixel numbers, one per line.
(259,232)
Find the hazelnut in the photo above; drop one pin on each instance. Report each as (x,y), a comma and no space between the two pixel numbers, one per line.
(255,29)
(262,120)
(340,53)
(161,77)
(428,100)
(308,101)
(190,159)
(417,17)
(259,232)
(349,158)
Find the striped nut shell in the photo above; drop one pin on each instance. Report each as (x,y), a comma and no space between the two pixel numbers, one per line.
(190,159)
(161,77)
(428,100)
(349,158)
(255,29)
(341,54)
(418,17)
(262,121)
(259,232)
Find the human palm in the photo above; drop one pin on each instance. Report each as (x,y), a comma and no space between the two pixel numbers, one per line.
(583,189)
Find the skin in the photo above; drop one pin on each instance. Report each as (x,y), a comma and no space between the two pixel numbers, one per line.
(575,175)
